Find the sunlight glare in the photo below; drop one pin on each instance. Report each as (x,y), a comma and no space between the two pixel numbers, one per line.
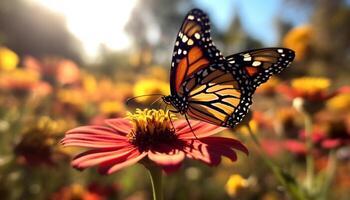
(95,22)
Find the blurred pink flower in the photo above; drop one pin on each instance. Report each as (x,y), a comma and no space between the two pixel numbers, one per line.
(149,135)
(67,72)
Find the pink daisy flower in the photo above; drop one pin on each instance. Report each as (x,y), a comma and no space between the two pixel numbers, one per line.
(149,136)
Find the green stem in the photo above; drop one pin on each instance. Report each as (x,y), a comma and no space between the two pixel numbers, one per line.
(155,174)
(310,165)
(294,192)
(331,167)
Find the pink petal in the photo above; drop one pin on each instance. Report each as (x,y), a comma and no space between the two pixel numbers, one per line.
(122,125)
(200,129)
(93,137)
(111,166)
(93,144)
(169,161)
(199,151)
(96,130)
(228,142)
(97,156)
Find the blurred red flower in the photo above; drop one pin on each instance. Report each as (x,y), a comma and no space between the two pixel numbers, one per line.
(336,137)
(149,134)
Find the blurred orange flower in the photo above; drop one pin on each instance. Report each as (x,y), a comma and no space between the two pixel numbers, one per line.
(73,96)
(19,79)
(299,39)
(76,192)
(340,103)
(8,59)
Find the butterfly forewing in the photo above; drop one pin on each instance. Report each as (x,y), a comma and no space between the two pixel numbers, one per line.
(193,49)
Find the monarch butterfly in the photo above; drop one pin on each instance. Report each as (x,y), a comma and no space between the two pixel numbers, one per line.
(210,87)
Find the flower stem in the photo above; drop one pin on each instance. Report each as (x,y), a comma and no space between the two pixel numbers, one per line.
(293,191)
(331,167)
(155,174)
(310,165)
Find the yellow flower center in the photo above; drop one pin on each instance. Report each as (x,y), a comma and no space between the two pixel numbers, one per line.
(151,128)
(311,85)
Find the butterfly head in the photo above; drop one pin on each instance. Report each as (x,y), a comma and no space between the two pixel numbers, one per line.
(167,99)
(180,104)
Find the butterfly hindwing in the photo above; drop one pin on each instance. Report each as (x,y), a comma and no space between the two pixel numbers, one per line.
(193,49)
(260,64)
(214,95)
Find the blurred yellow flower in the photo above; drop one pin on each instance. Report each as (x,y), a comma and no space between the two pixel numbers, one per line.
(299,39)
(111,107)
(311,85)
(38,143)
(253,126)
(52,126)
(150,86)
(89,83)
(8,59)
(340,102)
(235,183)
(74,97)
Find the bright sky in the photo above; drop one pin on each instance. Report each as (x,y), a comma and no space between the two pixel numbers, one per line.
(95,22)
(258,16)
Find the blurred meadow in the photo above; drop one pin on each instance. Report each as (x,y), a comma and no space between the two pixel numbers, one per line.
(65,64)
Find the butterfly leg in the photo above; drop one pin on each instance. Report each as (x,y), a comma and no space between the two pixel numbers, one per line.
(190,126)
(171,121)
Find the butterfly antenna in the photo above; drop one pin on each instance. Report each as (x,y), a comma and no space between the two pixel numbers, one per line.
(159,98)
(190,126)
(146,95)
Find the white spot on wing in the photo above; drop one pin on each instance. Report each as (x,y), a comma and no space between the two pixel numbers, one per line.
(184,38)
(197,36)
(190,42)
(256,63)
(280,50)
(190,17)
(247,58)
